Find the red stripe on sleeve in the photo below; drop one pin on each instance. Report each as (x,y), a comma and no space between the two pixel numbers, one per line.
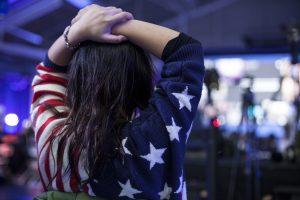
(54,80)
(43,107)
(47,69)
(42,128)
(49,153)
(43,92)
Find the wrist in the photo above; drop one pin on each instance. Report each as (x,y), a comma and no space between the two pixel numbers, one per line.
(124,28)
(75,35)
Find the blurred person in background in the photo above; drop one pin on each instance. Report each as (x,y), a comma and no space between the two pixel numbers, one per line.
(18,166)
(272,146)
(100,128)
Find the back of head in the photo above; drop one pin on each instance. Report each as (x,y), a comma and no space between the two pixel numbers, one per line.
(106,74)
(106,83)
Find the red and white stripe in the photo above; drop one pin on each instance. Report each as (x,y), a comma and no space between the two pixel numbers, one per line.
(49,89)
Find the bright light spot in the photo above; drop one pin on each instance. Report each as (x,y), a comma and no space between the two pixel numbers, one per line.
(245,83)
(266,85)
(265,103)
(289,89)
(282,120)
(278,112)
(283,65)
(230,67)
(11,119)
(209,64)
(258,112)
(234,116)
(216,123)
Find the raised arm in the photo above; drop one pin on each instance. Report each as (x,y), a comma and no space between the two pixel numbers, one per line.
(149,36)
(96,23)
(92,23)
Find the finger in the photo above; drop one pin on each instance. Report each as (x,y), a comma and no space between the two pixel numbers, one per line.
(109,8)
(75,19)
(84,10)
(114,11)
(93,6)
(79,15)
(88,8)
(121,17)
(109,38)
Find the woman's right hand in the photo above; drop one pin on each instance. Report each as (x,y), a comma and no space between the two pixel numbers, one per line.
(95,23)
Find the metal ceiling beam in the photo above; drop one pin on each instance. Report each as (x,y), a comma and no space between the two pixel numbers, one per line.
(21,16)
(29,13)
(199,12)
(26,35)
(22,50)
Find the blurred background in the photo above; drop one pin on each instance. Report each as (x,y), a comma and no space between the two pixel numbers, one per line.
(245,142)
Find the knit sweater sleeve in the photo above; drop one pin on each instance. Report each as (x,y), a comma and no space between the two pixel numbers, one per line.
(48,86)
(48,109)
(154,143)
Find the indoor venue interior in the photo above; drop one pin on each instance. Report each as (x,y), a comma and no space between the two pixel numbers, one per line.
(244,143)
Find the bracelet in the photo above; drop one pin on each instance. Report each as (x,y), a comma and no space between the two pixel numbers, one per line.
(69,46)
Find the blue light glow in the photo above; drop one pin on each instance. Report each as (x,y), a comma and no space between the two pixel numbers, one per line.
(14,98)
(80,3)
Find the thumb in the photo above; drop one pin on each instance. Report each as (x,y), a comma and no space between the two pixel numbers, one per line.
(109,38)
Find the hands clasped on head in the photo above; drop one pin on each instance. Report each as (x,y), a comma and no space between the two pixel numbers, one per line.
(95,23)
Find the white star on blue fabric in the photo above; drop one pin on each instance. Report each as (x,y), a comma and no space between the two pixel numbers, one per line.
(166,192)
(124,147)
(128,190)
(154,156)
(184,99)
(173,131)
(180,184)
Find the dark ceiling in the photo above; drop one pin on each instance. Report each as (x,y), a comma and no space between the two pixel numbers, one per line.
(31,26)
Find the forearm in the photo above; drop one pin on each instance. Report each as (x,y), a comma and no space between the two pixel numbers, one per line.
(58,53)
(146,35)
(95,24)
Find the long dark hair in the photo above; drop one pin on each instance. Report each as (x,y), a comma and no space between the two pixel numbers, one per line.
(107,82)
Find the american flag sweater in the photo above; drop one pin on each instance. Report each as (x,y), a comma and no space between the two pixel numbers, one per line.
(154,142)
